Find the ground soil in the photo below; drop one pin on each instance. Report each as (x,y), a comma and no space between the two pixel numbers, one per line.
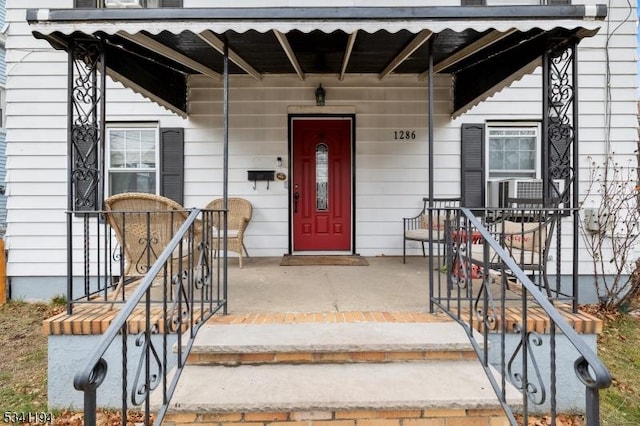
(23,361)
(23,356)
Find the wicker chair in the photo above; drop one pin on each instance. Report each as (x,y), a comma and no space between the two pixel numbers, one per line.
(240,212)
(143,224)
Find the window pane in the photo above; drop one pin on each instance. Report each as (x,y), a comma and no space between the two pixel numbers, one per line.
(322,177)
(511,144)
(117,139)
(528,144)
(511,161)
(527,160)
(132,182)
(117,159)
(496,160)
(133,158)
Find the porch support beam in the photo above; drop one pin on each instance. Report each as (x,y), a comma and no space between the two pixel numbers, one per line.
(347,54)
(225,174)
(85,137)
(559,139)
(214,41)
(575,192)
(328,13)
(157,47)
(288,50)
(431,110)
(469,50)
(413,45)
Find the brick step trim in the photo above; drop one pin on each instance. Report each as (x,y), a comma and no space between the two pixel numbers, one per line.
(297,343)
(233,359)
(426,417)
(95,319)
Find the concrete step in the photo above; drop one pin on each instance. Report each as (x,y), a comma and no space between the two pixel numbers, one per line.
(234,344)
(340,394)
(334,374)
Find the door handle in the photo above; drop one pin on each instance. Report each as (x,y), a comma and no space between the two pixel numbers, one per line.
(296,196)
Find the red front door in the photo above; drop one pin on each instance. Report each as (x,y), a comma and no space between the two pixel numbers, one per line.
(321,184)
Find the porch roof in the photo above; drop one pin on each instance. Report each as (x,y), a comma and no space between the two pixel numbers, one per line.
(154,51)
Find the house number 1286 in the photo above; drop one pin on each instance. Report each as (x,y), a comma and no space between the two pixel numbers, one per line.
(404,134)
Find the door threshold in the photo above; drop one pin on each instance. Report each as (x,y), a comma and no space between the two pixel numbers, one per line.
(322,253)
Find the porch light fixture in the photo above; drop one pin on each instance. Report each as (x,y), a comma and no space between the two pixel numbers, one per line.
(320,95)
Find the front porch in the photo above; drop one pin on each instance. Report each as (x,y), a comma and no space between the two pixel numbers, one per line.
(360,306)
(519,324)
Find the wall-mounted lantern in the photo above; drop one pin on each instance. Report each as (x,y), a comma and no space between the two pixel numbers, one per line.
(320,95)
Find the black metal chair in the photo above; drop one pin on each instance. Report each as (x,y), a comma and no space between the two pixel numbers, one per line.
(426,227)
(524,229)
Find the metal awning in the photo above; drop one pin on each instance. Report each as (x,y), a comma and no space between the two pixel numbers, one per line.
(154,51)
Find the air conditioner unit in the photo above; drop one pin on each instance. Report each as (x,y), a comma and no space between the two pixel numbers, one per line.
(493,193)
(498,191)
(122,3)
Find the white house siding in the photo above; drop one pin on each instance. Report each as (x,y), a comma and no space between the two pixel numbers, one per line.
(391,176)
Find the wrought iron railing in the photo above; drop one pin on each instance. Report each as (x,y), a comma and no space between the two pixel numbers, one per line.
(180,288)
(488,279)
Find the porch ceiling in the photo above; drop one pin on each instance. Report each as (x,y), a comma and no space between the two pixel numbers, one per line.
(154,51)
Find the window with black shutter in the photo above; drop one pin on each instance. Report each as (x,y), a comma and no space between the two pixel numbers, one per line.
(144,158)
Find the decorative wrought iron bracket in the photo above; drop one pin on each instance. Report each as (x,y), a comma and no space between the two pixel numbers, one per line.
(86,107)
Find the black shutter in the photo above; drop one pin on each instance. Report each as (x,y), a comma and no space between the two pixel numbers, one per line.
(170,3)
(172,163)
(85,4)
(473,2)
(472,176)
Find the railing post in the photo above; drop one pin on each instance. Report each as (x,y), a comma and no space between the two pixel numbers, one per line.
(90,407)
(592,409)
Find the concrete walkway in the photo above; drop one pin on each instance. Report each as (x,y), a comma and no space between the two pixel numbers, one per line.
(262,285)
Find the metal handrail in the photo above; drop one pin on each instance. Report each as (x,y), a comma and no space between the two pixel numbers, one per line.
(589,369)
(92,375)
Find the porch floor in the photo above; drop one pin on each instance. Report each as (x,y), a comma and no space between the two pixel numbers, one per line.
(386,284)
(264,292)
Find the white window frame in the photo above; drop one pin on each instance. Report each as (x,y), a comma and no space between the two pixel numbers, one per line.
(131,126)
(528,125)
